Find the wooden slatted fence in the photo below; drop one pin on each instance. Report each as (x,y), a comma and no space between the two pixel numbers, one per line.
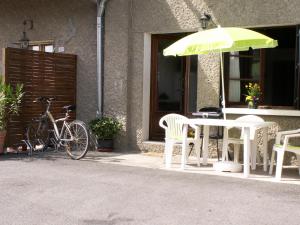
(42,74)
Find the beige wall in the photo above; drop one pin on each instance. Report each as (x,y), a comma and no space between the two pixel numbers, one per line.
(71,24)
(127,21)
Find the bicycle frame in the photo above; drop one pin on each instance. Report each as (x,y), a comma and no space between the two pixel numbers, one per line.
(59,134)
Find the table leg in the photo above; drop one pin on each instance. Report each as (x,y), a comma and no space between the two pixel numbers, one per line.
(265,148)
(253,152)
(197,144)
(184,146)
(225,145)
(246,152)
(205,143)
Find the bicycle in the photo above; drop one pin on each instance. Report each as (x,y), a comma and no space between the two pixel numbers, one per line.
(73,136)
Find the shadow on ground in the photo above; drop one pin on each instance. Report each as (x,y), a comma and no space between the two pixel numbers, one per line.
(53,155)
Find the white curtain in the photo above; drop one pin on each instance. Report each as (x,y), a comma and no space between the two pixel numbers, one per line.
(234,72)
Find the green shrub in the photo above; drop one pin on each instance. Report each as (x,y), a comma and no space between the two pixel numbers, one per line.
(10,101)
(105,127)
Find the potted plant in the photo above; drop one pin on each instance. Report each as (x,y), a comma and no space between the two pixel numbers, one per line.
(105,129)
(10,101)
(253,95)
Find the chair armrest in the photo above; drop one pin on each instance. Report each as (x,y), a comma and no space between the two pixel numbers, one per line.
(287,138)
(161,124)
(280,134)
(289,132)
(193,126)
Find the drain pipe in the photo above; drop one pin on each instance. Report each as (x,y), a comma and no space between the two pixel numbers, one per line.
(100,55)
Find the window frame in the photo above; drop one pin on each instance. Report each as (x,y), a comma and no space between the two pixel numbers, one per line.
(226,57)
(41,44)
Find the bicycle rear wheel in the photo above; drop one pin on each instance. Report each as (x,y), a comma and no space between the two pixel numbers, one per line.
(77,148)
(37,134)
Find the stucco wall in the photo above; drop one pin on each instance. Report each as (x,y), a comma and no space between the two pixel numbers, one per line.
(71,24)
(134,18)
(117,67)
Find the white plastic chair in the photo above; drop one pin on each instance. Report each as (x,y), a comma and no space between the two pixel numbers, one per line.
(237,142)
(174,135)
(282,148)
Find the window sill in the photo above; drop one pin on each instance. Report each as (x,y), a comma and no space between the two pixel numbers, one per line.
(267,112)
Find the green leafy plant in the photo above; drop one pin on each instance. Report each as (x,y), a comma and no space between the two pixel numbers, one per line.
(105,127)
(10,101)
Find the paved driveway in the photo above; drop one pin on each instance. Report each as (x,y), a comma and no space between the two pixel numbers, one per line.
(56,190)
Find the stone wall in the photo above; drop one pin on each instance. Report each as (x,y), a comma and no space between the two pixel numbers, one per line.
(71,24)
(127,21)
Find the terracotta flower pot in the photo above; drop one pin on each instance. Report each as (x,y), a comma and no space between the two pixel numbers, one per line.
(2,140)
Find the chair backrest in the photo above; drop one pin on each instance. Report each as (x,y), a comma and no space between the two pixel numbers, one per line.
(173,129)
(250,118)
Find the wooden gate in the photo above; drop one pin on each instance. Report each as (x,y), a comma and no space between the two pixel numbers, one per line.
(42,74)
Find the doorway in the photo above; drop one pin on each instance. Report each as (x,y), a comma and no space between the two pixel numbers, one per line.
(174,84)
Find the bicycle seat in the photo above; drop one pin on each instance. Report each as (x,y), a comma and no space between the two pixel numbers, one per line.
(69,108)
(44,99)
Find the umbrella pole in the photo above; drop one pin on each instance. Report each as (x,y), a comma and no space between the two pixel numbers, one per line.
(222,80)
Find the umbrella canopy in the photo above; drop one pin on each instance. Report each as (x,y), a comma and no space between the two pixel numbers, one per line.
(219,40)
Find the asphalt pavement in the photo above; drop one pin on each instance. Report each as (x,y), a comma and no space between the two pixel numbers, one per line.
(47,190)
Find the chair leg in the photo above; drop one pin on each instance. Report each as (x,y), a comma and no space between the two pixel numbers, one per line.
(224,153)
(272,162)
(298,159)
(218,154)
(169,145)
(236,152)
(253,154)
(279,163)
(265,148)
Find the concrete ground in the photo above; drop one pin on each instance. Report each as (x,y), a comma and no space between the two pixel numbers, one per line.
(290,174)
(49,188)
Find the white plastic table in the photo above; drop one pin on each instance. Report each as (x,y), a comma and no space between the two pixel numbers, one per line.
(247,126)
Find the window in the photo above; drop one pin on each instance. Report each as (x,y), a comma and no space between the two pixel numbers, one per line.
(243,67)
(273,69)
(44,46)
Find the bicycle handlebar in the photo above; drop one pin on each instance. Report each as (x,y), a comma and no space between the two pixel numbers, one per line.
(47,101)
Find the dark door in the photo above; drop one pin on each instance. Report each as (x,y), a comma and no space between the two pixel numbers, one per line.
(173,84)
(297,70)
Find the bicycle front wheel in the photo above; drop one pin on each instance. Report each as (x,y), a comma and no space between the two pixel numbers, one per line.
(77,147)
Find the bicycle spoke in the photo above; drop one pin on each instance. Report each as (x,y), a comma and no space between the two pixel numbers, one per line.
(37,134)
(78,146)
